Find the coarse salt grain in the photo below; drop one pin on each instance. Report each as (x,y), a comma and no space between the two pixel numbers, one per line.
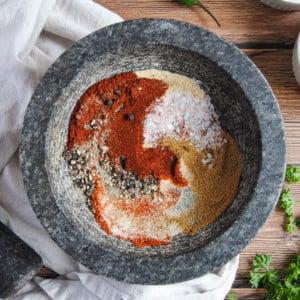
(182,116)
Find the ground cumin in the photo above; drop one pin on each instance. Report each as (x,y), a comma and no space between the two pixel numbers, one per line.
(215,184)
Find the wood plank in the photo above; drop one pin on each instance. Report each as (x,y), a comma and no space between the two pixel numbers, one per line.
(247,294)
(276,66)
(241,21)
(292,130)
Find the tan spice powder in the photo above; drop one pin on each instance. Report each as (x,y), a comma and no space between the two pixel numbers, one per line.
(215,185)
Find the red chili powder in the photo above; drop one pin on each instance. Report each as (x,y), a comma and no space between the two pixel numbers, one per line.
(126,137)
(144,242)
(129,98)
(97,205)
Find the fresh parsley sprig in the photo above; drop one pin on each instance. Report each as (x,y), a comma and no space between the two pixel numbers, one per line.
(292,174)
(277,289)
(262,274)
(286,202)
(198,3)
(291,225)
(231,297)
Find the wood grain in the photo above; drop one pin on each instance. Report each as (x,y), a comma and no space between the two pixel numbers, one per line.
(247,294)
(241,21)
(267,37)
(276,66)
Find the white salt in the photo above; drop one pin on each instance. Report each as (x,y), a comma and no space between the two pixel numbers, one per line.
(182,116)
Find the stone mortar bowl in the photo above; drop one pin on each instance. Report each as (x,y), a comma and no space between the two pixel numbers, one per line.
(247,109)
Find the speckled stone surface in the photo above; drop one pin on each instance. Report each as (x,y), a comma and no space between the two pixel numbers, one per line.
(18,262)
(247,109)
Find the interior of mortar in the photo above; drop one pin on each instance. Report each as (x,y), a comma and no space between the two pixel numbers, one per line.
(230,102)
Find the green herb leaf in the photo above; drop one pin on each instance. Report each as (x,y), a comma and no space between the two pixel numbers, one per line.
(286,289)
(292,174)
(261,262)
(292,279)
(291,226)
(265,279)
(231,297)
(276,292)
(256,279)
(286,202)
(293,270)
(262,274)
(271,278)
(198,3)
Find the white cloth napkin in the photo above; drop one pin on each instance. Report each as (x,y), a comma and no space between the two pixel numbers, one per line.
(33,33)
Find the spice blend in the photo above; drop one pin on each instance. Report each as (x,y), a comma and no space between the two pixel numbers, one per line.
(148,152)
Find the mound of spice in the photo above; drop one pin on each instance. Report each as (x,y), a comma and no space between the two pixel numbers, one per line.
(148,152)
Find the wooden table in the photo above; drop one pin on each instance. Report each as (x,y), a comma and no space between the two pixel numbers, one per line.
(267,37)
